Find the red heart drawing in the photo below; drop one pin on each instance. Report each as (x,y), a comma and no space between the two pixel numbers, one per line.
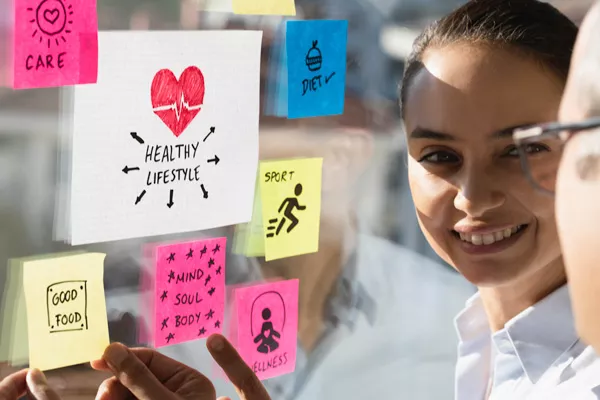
(177,102)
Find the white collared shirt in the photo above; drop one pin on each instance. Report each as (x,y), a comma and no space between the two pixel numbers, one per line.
(538,354)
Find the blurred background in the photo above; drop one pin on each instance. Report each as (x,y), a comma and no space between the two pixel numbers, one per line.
(376,303)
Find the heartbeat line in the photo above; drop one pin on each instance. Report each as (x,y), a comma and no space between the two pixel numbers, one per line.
(178,106)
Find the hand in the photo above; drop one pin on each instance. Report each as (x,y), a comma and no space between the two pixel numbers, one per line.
(31,382)
(149,375)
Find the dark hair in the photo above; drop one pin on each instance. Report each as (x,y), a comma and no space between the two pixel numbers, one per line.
(529,27)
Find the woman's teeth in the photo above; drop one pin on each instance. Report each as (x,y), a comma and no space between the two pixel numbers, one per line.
(489,238)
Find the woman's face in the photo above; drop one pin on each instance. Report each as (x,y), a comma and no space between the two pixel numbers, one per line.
(473,202)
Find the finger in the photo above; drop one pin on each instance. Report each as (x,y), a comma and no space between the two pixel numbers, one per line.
(38,387)
(112,389)
(239,373)
(13,386)
(100,365)
(133,373)
(224,398)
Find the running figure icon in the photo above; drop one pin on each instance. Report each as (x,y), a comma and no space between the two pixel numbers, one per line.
(290,204)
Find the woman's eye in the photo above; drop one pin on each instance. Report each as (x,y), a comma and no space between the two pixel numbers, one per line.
(440,157)
(530,148)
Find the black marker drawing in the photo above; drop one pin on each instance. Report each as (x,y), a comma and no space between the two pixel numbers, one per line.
(290,204)
(190,254)
(314,58)
(171,276)
(203,251)
(211,291)
(164,323)
(207,280)
(170,203)
(211,262)
(201,331)
(219,270)
(218,324)
(171,258)
(210,314)
(266,338)
(216,249)
(52,20)
(137,138)
(212,130)
(214,160)
(328,78)
(66,304)
(163,296)
(139,198)
(127,169)
(170,337)
(204,192)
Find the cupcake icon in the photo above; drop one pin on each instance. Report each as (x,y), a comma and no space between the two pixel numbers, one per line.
(314,59)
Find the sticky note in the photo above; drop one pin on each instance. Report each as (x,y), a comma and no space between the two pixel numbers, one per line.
(167,141)
(316,67)
(267,317)
(249,238)
(14,345)
(190,291)
(264,7)
(66,310)
(291,206)
(54,43)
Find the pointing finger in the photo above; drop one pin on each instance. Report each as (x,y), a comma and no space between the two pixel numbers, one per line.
(239,373)
(13,386)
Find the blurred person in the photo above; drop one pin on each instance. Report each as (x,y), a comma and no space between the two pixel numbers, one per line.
(472,77)
(570,167)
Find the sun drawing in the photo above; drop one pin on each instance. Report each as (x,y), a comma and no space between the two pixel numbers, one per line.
(51,20)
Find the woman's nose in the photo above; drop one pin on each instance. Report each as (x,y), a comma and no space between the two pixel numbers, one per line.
(478,195)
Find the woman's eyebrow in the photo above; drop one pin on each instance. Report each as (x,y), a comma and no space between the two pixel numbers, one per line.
(421,133)
(508,132)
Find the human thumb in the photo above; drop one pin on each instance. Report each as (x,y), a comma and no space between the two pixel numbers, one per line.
(133,374)
(38,388)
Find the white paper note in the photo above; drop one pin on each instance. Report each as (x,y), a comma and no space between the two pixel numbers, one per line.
(167,140)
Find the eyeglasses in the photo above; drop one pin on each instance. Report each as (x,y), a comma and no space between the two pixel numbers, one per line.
(540,149)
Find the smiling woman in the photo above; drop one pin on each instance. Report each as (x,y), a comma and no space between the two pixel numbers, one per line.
(473,77)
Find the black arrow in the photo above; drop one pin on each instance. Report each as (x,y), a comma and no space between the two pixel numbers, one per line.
(127,169)
(170,203)
(215,160)
(137,138)
(212,130)
(204,192)
(139,198)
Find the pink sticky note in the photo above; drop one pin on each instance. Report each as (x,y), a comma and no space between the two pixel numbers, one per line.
(190,291)
(268,327)
(55,43)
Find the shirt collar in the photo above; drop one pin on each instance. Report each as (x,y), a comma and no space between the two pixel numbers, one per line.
(527,334)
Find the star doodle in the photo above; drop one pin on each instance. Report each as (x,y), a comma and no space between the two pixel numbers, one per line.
(219,270)
(171,258)
(211,291)
(203,251)
(217,248)
(190,254)
(170,337)
(171,276)
(201,331)
(163,296)
(210,314)
(218,324)
(207,280)
(164,323)
(211,262)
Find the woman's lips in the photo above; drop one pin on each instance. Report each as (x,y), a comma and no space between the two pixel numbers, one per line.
(492,241)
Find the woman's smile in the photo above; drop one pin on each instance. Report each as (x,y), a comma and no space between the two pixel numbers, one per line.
(488,240)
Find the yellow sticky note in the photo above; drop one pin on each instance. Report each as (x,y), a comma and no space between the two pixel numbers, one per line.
(66,310)
(14,346)
(264,7)
(249,238)
(291,205)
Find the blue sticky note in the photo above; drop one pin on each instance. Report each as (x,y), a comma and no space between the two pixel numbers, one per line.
(316,67)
